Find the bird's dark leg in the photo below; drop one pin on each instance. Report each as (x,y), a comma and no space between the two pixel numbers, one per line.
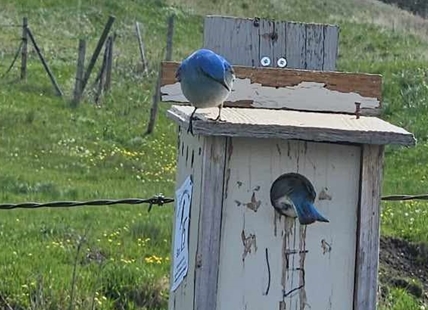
(219,113)
(190,129)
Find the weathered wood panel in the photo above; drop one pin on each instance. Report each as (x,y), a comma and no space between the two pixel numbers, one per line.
(294,89)
(331,47)
(189,161)
(314,46)
(237,39)
(244,41)
(296,46)
(250,226)
(310,126)
(208,252)
(367,256)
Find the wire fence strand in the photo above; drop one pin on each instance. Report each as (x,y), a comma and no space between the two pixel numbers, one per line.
(158,200)
(405,197)
(9,25)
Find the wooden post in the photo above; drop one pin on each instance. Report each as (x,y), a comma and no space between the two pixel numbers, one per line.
(77,94)
(368,232)
(45,64)
(102,74)
(141,47)
(156,96)
(24,49)
(169,37)
(109,63)
(97,51)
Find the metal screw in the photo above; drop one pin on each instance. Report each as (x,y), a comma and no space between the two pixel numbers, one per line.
(265,61)
(282,62)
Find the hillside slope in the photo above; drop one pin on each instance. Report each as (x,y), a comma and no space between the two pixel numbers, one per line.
(51,152)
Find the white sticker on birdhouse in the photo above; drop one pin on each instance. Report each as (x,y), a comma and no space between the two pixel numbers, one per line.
(181,235)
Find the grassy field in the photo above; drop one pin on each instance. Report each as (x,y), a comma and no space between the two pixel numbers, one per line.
(118,257)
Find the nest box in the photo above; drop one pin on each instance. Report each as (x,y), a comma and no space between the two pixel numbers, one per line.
(241,254)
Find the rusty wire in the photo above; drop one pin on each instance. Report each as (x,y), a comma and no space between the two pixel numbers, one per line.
(158,200)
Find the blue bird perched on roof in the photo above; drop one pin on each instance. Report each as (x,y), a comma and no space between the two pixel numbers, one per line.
(206,80)
(293,195)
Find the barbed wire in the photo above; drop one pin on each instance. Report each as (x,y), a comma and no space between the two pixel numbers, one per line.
(155,200)
(10,25)
(405,197)
(158,200)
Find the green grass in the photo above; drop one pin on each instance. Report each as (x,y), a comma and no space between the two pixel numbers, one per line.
(51,152)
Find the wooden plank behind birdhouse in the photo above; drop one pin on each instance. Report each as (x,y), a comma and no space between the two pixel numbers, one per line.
(244,41)
(252,278)
(295,38)
(221,35)
(291,89)
(314,46)
(331,47)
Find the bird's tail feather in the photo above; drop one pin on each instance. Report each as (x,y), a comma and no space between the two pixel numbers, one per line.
(309,214)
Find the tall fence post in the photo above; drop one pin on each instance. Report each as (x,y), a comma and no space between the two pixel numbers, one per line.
(168,57)
(97,51)
(77,94)
(141,47)
(44,63)
(109,63)
(24,49)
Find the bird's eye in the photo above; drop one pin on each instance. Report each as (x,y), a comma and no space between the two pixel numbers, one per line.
(282,62)
(265,61)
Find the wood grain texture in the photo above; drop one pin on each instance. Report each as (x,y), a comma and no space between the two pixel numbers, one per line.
(208,253)
(189,162)
(244,41)
(267,40)
(295,45)
(311,126)
(368,233)
(236,39)
(294,89)
(314,46)
(331,47)
(252,166)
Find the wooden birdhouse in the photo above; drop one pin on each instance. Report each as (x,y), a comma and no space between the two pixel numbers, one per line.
(232,250)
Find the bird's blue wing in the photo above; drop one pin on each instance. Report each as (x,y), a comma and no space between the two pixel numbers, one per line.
(211,64)
(307,214)
(178,73)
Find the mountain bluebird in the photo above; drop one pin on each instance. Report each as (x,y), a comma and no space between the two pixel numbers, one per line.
(206,80)
(293,195)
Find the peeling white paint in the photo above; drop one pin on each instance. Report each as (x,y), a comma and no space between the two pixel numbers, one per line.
(311,96)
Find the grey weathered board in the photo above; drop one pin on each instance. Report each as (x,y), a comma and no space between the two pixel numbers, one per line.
(245,41)
(306,47)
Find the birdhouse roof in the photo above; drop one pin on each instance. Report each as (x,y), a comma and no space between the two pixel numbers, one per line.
(286,124)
